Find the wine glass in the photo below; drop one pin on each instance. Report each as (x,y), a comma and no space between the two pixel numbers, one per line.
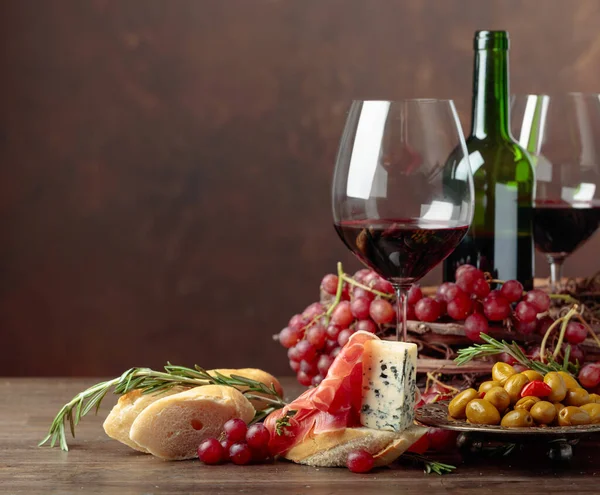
(562,135)
(400,204)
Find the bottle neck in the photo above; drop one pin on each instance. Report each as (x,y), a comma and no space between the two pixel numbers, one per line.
(490,94)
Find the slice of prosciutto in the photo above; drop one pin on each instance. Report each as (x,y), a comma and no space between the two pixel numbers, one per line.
(334,404)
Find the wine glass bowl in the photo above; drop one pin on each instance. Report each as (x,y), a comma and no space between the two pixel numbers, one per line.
(562,135)
(393,205)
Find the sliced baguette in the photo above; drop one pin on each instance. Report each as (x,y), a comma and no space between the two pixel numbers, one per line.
(254,374)
(172,427)
(118,422)
(331,449)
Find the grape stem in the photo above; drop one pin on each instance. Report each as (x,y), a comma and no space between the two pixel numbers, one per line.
(431,378)
(563,322)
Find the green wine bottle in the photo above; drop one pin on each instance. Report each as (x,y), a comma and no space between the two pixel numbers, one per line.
(500,237)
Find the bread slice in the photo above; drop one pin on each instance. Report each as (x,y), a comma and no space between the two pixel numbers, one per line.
(254,374)
(118,422)
(331,449)
(172,427)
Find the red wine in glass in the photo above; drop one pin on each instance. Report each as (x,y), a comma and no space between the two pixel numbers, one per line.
(401,250)
(559,228)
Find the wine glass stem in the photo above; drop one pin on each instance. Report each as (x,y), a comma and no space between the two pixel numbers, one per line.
(556,265)
(401,307)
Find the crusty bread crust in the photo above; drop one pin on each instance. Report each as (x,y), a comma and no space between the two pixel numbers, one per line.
(331,449)
(172,427)
(118,422)
(254,374)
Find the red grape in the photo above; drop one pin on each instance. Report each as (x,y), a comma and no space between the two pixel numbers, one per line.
(525,312)
(466,280)
(335,352)
(442,440)
(480,288)
(519,368)
(324,363)
(459,306)
(360,275)
(329,284)
(305,351)
(360,461)
(475,325)
(226,444)
(462,269)
(258,436)
(427,309)
(534,353)
(297,322)
(442,289)
(512,290)
(313,310)
(289,337)
(360,307)
(235,430)
(575,332)
(304,379)
(293,354)
(295,365)
(360,292)
(309,367)
(330,345)
(316,335)
(415,294)
(370,279)
(589,375)
(344,336)
(382,311)
(496,308)
(345,292)
(342,315)
(240,453)
(333,331)
(410,313)
(366,326)
(316,380)
(538,299)
(210,451)
(452,291)
(526,327)
(383,285)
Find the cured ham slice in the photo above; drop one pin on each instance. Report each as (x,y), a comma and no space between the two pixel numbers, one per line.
(333,405)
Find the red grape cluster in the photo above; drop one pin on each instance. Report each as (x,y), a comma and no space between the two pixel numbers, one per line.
(314,337)
(240,445)
(471,300)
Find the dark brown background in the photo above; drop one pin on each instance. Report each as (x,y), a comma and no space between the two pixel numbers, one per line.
(165,165)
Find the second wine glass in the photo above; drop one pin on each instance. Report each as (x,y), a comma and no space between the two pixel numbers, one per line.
(400,204)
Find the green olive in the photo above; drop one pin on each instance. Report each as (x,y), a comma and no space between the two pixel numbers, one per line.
(533,375)
(593,409)
(482,412)
(570,382)
(573,416)
(595,398)
(485,386)
(527,403)
(557,384)
(457,406)
(502,371)
(543,412)
(577,397)
(513,386)
(519,418)
(498,397)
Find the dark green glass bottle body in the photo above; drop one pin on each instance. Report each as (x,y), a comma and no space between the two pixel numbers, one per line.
(500,237)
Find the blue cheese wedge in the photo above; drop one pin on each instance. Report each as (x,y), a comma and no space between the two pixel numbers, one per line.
(389,385)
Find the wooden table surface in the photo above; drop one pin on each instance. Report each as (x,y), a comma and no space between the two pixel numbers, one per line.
(96,464)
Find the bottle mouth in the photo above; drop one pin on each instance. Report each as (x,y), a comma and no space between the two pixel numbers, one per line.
(491,40)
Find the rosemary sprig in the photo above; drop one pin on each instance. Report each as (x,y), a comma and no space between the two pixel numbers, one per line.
(429,466)
(493,347)
(149,381)
(284,422)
